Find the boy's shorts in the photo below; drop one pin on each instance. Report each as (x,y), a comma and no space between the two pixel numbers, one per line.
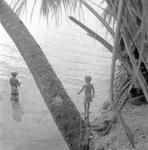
(88,99)
(14,94)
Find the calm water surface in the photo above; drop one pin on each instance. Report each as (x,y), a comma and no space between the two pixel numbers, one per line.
(73,55)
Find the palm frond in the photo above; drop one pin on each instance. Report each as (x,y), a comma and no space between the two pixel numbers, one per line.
(47,7)
(92,10)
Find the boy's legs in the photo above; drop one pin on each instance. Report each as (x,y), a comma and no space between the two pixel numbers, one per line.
(14,94)
(88,107)
(85,109)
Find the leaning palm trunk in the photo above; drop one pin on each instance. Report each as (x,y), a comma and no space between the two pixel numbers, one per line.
(64,112)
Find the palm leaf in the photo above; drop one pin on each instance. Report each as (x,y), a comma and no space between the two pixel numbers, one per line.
(92,10)
(47,6)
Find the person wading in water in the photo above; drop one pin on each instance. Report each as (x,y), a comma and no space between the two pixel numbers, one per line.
(14,87)
(89,95)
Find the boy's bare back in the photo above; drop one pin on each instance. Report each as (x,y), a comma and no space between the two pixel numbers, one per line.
(14,82)
(88,90)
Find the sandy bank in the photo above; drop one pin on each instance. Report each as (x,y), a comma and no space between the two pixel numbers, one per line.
(137,119)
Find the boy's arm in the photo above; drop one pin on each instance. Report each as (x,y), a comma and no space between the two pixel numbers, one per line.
(18,83)
(93,89)
(81,89)
(10,82)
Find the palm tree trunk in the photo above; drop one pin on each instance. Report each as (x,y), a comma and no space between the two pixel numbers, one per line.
(64,112)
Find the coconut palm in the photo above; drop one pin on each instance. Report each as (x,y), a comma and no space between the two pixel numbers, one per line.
(64,112)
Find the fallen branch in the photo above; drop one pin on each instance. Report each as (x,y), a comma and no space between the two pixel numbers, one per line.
(92,33)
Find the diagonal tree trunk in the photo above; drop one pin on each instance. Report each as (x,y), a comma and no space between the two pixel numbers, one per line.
(64,112)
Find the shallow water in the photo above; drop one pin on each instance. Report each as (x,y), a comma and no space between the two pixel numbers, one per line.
(29,126)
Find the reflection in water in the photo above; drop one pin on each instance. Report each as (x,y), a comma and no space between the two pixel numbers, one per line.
(16,111)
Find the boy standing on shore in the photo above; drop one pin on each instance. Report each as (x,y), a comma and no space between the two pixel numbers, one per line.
(14,87)
(89,95)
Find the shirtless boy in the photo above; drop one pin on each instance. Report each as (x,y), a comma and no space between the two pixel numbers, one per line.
(89,94)
(14,87)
